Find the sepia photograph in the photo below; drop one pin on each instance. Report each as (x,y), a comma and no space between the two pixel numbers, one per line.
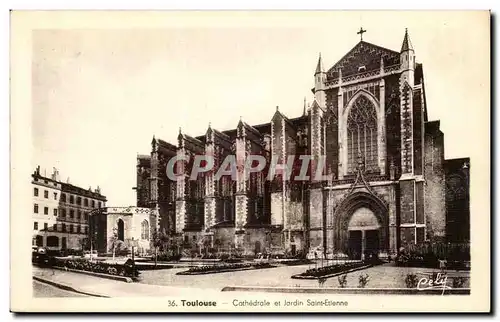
(250,161)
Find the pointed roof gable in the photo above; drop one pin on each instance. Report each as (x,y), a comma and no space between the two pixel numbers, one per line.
(319,66)
(364,54)
(407,45)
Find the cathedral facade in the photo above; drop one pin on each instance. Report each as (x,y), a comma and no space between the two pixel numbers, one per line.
(388,182)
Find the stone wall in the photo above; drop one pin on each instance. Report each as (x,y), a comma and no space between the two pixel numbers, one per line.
(315,218)
(434,188)
(277,208)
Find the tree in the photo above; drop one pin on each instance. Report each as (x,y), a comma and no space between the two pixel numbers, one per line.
(160,243)
(115,242)
(84,242)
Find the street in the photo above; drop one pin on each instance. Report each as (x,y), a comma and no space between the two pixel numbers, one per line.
(45,290)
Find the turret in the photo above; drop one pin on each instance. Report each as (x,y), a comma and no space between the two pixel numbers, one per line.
(319,83)
(407,60)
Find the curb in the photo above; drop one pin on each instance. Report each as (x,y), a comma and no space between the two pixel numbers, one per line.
(101,275)
(66,287)
(362,291)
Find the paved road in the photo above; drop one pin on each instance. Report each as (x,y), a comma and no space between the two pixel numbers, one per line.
(45,290)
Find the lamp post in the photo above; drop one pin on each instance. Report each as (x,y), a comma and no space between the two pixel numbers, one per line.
(115,239)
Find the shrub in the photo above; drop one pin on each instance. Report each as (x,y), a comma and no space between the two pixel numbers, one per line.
(331,269)
(228,266)
(363,280)
(168,257)
(321,281)
(459,282)
(411,280)
(428,255)
(342,281)
(127,269)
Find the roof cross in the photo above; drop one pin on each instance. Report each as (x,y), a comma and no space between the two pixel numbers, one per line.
(361,32)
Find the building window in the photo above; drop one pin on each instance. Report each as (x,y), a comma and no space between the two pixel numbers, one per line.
(144,229)
(79,201)
(54,227)
(71,213)
(55,195)
(78,215)
(35,192)
(63,212)
(71,199)
(93,204)
(78,229)
(362,135)
(99,205)
(53,241)
(55,212)
(63,197)
(121,230)
(63,227)
(45,210)
(186,239)
(45,226)
(39,241)
(35,225)
(70,228)
(46,194)
(86,230)
(194,237)
(86,202)
(35,208)
(86,216)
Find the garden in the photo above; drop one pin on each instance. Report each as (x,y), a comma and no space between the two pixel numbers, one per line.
(334,269)
(127,269)
(221,268)
(452,256)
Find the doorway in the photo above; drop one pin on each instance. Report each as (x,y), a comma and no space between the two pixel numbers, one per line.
(371,243)
(355,244)
(364,229)
(257,247)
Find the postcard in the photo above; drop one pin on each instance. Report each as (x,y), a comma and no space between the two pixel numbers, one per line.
(250,161)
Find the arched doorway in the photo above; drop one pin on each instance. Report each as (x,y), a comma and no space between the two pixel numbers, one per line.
(364,231)
(121,230)
(257,247)
(361,219)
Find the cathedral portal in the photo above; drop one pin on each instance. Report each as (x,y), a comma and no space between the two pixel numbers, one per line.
(361,226)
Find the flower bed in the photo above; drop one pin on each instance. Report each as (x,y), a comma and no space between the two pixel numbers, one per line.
(126,269)
(206,269)
(331,269)
(295,262)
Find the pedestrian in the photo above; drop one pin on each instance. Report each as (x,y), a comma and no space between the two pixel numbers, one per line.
(442,265)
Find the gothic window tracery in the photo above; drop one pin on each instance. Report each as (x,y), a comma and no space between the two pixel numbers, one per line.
(362,134)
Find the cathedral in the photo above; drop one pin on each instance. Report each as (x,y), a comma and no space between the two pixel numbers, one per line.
(388,184)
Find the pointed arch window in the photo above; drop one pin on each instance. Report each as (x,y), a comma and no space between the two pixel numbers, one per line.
(362,135)
(145,229)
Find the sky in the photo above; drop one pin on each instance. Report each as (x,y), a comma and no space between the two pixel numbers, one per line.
(99,94)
